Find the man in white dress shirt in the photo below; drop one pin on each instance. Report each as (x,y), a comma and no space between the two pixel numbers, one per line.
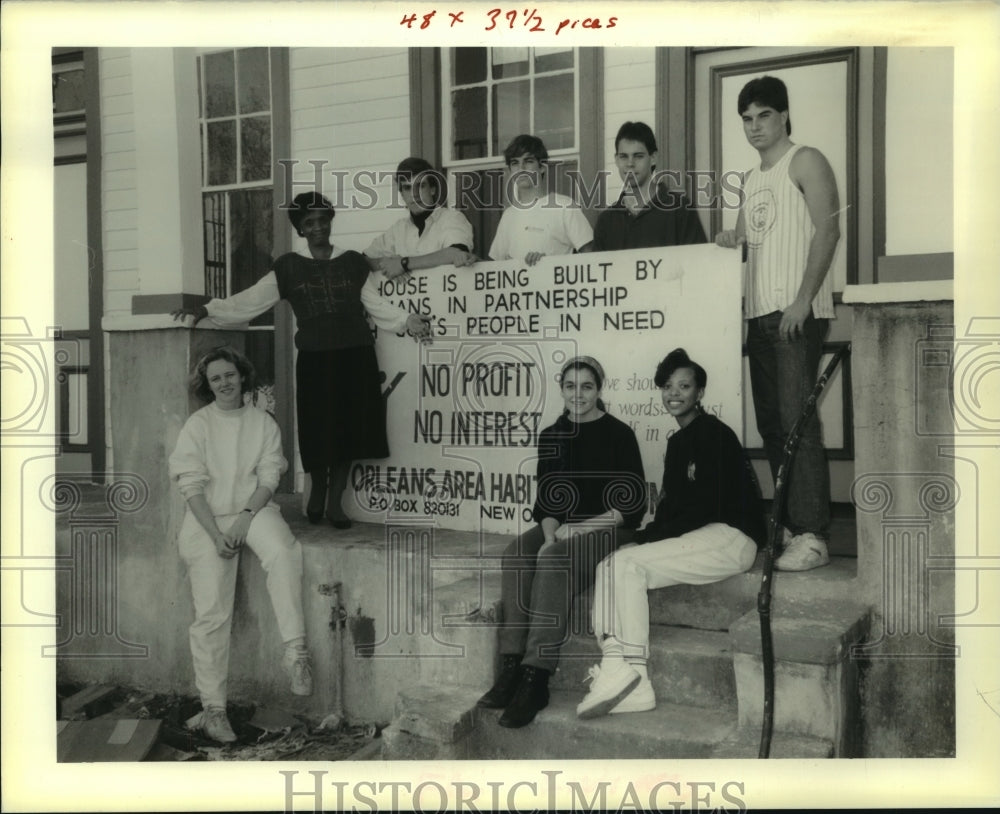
(430,235)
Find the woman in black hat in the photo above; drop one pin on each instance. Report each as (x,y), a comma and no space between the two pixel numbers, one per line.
(340,410)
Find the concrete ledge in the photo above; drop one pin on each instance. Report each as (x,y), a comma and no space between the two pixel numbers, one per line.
(431,723)
(803,631)
(439,713)
(719,605)
(815,679)
(918,291)
(155,322)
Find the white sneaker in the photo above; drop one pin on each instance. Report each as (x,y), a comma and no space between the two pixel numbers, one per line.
(608,686)
(296,664)
(214,724)
(641,699)
(804,552)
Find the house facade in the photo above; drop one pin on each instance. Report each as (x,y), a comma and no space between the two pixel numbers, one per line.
(187,156)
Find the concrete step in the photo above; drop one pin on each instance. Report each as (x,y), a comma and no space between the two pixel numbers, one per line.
(441,722)
(706,607)
(815,677)
(444,723)
(744,744)
(688,667)
(717,606)
(472,560)
(669,731)
(432,722)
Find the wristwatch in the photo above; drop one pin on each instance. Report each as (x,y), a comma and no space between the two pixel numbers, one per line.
(251,511)
(405,263)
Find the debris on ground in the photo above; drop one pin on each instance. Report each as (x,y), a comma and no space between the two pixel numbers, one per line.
(89,702)
(276,720)
(262,733)
(105,740)
(333,721)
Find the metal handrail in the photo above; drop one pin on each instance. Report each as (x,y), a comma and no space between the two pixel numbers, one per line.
(777,512)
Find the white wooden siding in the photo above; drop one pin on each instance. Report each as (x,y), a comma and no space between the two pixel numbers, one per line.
(118,182)
(629,95)
(350,107)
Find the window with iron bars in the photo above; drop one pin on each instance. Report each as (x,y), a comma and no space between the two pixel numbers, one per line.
(235,117)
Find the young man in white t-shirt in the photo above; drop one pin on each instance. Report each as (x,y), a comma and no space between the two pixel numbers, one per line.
(536,222)
(790,224)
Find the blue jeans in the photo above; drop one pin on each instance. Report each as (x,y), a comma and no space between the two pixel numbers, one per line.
(537,585)
(782,375)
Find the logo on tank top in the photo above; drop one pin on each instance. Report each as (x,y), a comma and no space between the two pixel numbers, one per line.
(760,214)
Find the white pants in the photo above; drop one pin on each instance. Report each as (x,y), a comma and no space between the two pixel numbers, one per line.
(621,607)
(213,589)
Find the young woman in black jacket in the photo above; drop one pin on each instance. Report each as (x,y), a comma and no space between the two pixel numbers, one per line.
(707,526)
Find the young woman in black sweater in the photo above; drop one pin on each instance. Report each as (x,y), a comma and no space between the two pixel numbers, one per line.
(708,526)
(591,496)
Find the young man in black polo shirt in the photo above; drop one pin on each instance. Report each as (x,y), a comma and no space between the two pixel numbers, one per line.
(648,213)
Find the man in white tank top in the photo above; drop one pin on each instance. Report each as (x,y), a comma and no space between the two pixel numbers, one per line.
(789,222)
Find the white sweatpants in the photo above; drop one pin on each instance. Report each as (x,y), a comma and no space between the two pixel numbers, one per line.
(213,589)
(621,607)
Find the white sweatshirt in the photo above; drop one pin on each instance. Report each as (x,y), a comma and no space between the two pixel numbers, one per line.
(226,455)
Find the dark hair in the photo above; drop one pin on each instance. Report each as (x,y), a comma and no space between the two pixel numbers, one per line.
(637,131)
(415,169)
(525,143)
(675,360)
(766,91)
(594,369)
(199,377)
(306,202)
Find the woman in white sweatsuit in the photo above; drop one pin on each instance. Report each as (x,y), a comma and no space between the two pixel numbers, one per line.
(227,463)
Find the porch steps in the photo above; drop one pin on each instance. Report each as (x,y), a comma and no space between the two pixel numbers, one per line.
(717,606)
(686,667)
(707,675)
(708,681)
(442,723)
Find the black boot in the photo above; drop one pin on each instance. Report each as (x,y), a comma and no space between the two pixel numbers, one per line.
(503,688)
(317,496)
(335,493)
(531,696)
